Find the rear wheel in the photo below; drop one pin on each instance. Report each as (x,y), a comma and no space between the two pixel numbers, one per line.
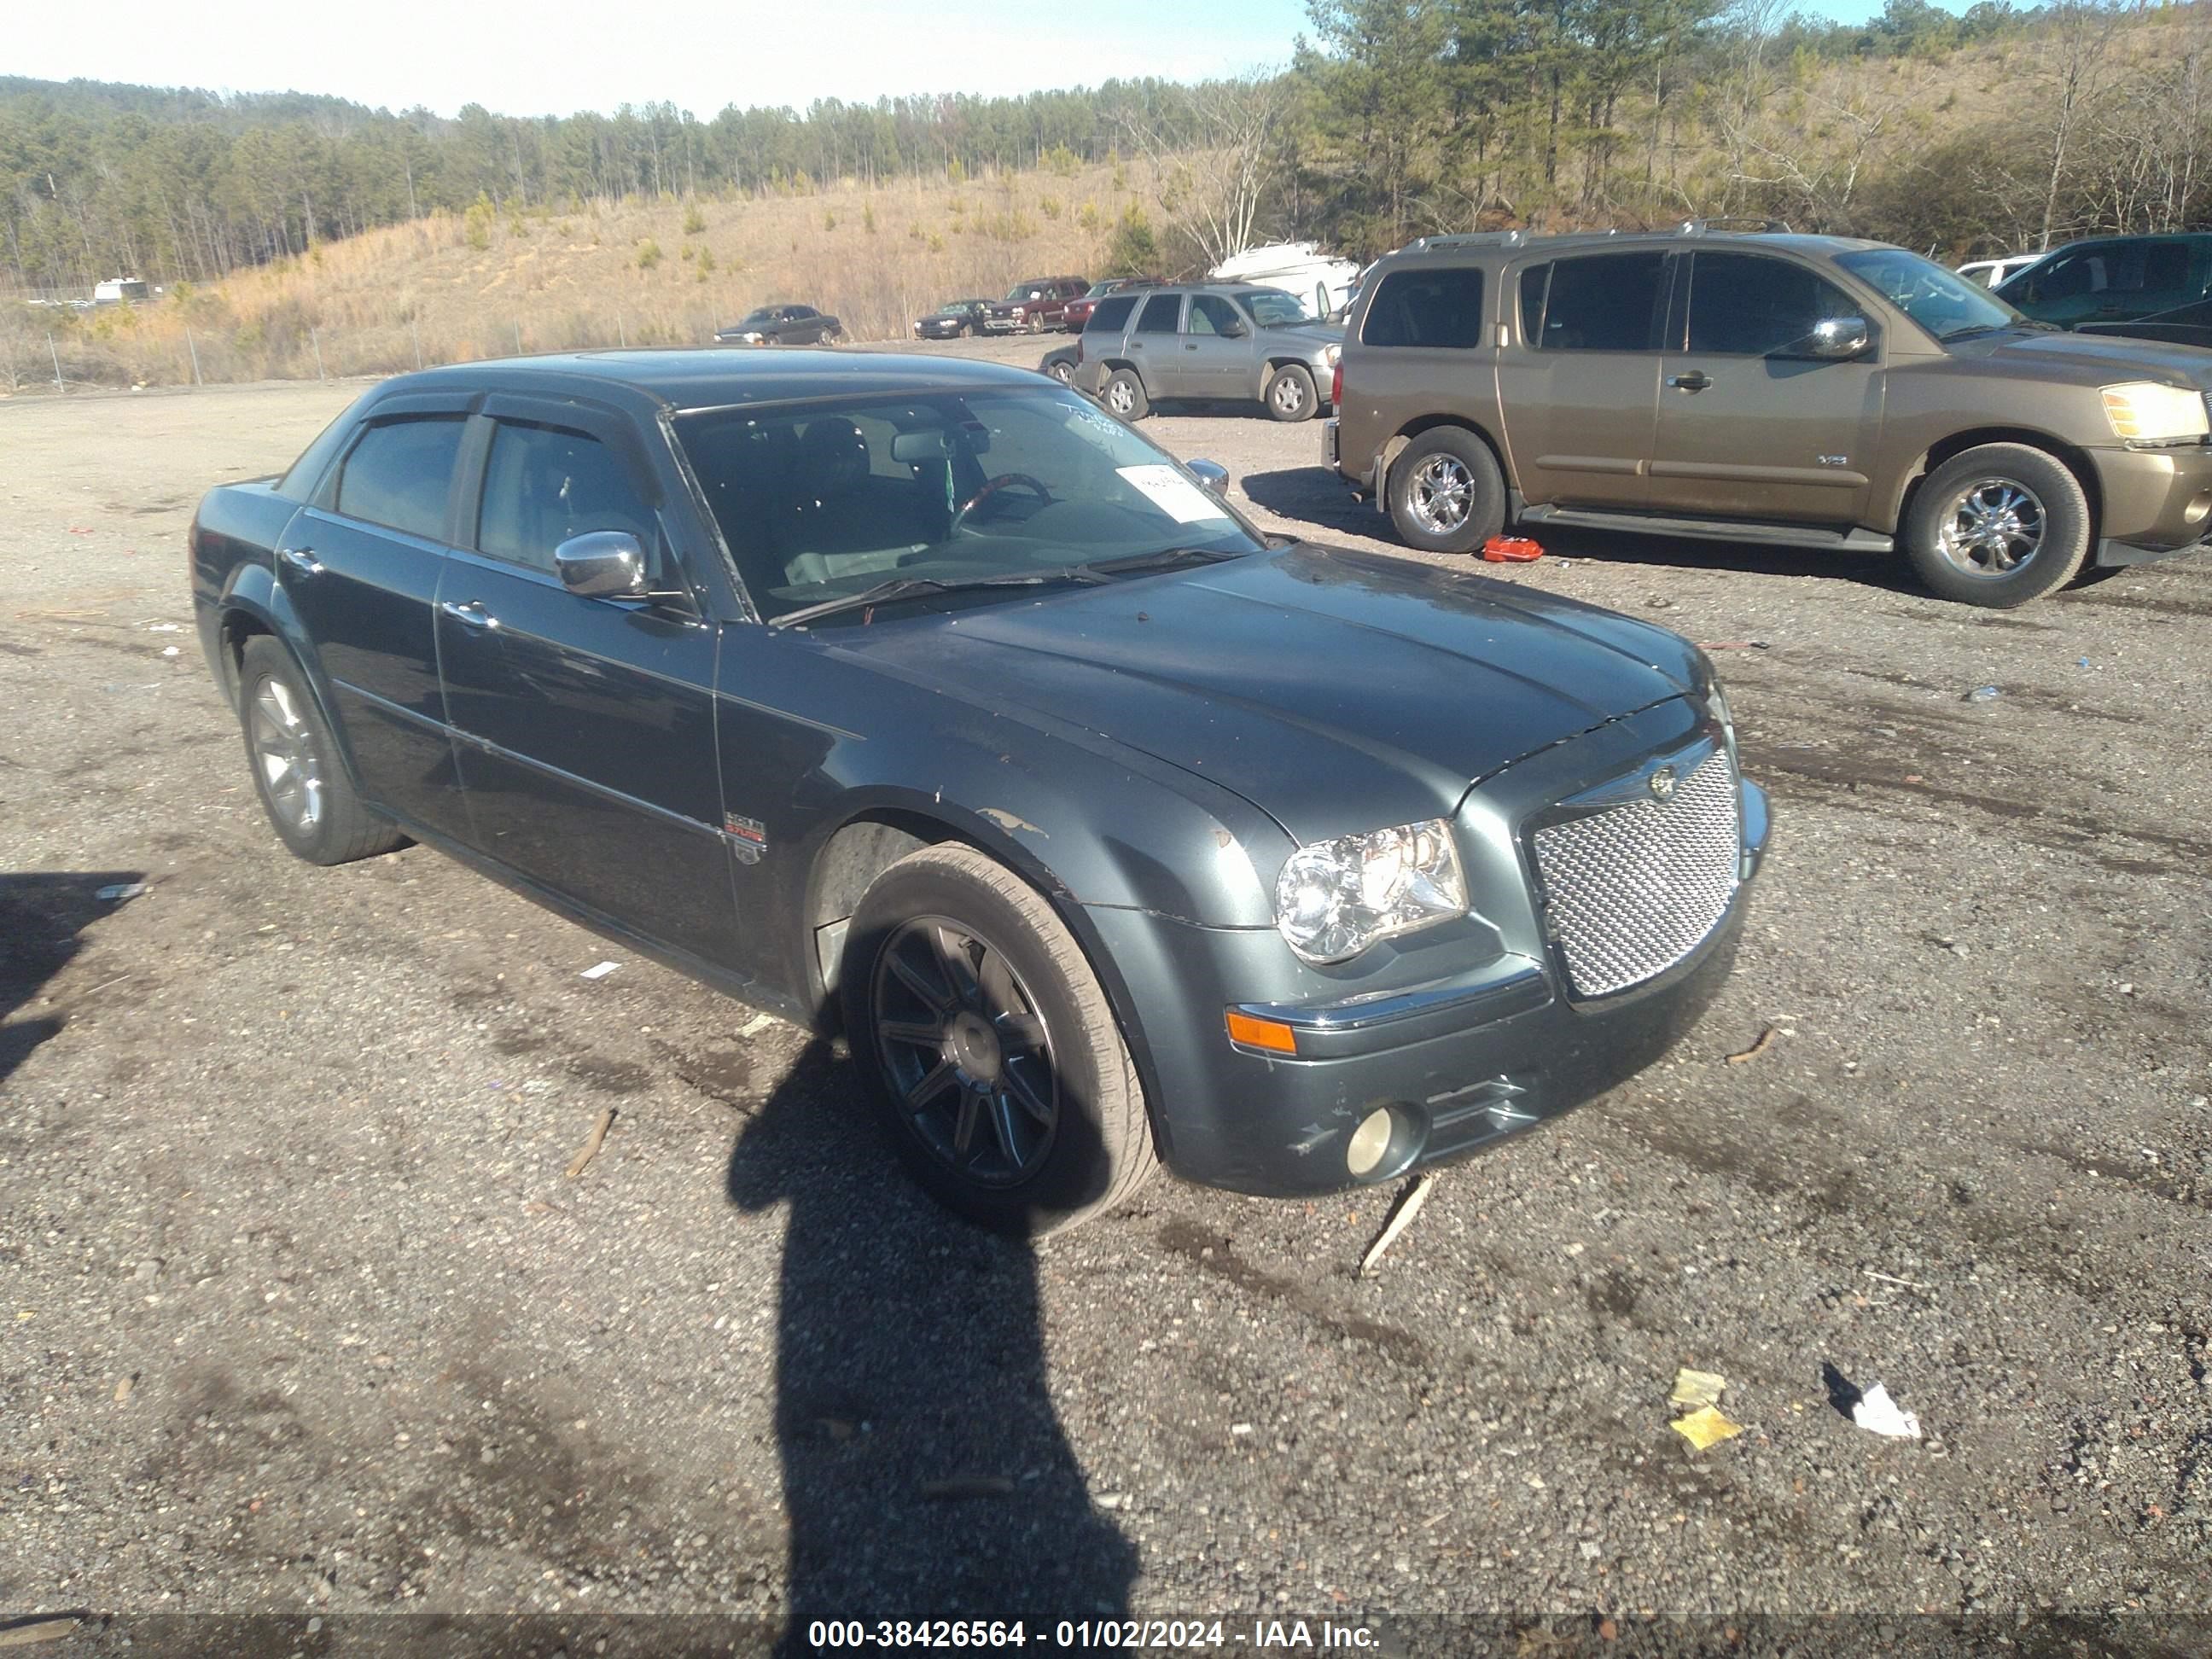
(1998,525)
(1061,370)
(1289,395)
(297,772)
(1446,494)
(1124,395)
(996,1062)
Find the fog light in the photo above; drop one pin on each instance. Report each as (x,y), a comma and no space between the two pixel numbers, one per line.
(1369,1142)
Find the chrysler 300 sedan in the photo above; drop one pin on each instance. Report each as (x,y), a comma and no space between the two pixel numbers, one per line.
(922,698)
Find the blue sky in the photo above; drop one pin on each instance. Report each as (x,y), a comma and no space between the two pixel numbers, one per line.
(558,56)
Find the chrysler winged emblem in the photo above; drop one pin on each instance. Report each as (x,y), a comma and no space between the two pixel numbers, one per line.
(1661,783)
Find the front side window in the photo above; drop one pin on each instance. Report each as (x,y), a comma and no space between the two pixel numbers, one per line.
(1747,305)
(544,484)
(1210,313)
(399,474)
(1942,302)
(816,503)
(1605,302)
(1440,308)
(1158,316)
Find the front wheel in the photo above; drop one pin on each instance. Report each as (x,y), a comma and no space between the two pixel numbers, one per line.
(995,1058)
(1289,395)
(1062,371)
(1446,494)
(297,770)
(1998,525)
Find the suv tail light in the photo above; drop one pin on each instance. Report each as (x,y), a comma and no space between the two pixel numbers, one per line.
(1336,386)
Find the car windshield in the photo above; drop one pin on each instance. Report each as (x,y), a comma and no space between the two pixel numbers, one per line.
(1020,290)
(955,309)
(754,319)
(1000,485)
(1271,307)
(1949,306)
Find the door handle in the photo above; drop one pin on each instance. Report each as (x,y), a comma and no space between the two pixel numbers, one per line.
(1190,345)
(301,559)
(470,614)
(1695,381)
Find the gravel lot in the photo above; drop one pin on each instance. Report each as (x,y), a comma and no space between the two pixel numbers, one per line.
(304,1316)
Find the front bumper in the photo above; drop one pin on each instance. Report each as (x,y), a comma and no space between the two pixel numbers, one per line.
(2154,502)
(1464,1062)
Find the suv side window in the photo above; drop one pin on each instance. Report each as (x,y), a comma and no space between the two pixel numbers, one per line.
(1535,281)
(1426,308)
(1210,313)
(1112,314)
(545,484)
(1158,316)
(1605,302)
(1748,305)
(399,474)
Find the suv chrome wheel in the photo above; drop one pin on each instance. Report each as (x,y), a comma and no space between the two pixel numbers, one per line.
(284,750)
(1288,394)
(967,1055)
(1442,489)
(1120,397)
(1990,527)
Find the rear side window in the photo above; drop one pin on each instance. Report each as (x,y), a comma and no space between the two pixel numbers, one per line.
(1605,302)
(1426,308)
(398,475)
(1749,305)
(1158,316)
(1112,315)
(544,484)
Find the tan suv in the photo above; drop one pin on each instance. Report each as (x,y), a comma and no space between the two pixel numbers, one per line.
(1809,390)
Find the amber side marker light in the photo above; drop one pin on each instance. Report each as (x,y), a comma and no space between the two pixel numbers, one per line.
(1270,1034)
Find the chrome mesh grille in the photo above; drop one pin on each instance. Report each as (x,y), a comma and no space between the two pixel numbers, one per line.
(1632,890)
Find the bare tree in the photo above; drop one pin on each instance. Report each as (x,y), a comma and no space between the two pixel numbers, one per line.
(1213,195)
(2082,35)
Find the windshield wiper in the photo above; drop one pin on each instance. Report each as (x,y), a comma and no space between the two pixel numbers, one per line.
(1971,332)
(908,587)
(1166,558)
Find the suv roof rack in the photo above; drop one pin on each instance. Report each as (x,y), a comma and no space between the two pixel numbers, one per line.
(1735,222)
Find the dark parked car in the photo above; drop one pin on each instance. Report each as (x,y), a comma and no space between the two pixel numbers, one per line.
(2113,279)
(783,326)
(1034,305)
(1078,310)
(2190,326)
(1061,362)
(921,697)
(952,320)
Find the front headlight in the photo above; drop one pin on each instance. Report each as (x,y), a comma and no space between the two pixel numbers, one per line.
(2145,410)
(1334,898)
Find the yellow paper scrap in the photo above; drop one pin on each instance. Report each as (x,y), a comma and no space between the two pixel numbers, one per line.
(1696,1387)
(1705,1427)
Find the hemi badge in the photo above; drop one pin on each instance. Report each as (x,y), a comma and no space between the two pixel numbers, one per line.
(747,837)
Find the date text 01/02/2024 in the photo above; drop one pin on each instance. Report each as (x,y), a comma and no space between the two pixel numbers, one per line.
(1087,1633)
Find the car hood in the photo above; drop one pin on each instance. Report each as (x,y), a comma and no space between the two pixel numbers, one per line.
(2087,358)
(1313,333)
(1336,691)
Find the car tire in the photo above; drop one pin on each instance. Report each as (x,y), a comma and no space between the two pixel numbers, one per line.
(1063,371)
(297,771)
(1446,494)
(1020,1051)
(1999,524)
(1289,394)
(1123,394)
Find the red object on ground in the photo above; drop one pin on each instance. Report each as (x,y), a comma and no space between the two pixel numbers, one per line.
(1511,549)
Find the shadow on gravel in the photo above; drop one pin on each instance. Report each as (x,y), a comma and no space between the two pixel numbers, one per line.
(1317,496)
(925,1472)
(42,922)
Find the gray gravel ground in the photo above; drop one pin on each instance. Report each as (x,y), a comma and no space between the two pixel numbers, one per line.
(302,1315)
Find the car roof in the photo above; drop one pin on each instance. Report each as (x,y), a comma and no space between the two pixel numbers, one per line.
(683,378)
(1451,250)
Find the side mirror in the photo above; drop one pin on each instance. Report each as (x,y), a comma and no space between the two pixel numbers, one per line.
(1835,338)
(1234,329)
(1212,474)
(603,564)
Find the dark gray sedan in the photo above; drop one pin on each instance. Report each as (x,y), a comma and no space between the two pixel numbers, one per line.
(783,325)
(922,698)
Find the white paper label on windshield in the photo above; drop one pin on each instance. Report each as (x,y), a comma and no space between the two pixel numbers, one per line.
(1173,494)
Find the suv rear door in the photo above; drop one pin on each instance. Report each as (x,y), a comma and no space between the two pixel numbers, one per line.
(1750,426)
(1155,345)
(1580,388)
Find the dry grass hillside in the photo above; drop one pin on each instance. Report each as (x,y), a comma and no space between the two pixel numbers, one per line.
(451,287)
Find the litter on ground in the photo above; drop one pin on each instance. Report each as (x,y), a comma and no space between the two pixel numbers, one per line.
(1877,1414)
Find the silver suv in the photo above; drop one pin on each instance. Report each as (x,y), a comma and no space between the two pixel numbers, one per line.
(1239,343)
